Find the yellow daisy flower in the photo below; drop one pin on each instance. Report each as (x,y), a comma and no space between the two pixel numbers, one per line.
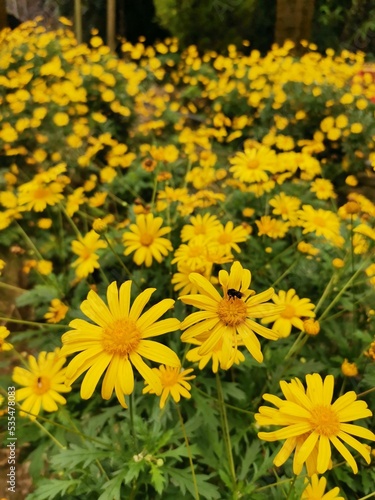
(4,346)
(321,222)
(253,164)
(145,239)
(311,423)
(174,382)
(228,236)
(206,225)
(37,195)
(85,248)
(43,381)
(117,341)
(56,312)
(285,206)
(315,490)
(229,318)
(272,228)
(294,310)
(323,188)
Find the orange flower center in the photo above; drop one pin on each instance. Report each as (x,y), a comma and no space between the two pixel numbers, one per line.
(121,337)
(86,253)
(170,377)
(232,311)
(319,221)
(224,238)
(289,312)
(196,251)
(146,239)
(41,193)
(252,164)
(42,385)
(324,420)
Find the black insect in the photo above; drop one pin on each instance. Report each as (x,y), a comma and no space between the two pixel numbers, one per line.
(232,293)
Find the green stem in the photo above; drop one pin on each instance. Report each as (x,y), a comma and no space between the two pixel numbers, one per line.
(121,262)
(224,421)
(367,496)
(132,426)
(33,323)
(326,292)
(285,273)
(12,287)
(48,433)
(70,220)
(31,244)
(343,289)
(196,491)
(361,394)
(291,487)
(297,345)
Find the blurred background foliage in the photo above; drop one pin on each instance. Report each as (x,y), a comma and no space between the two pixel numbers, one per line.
(214,24)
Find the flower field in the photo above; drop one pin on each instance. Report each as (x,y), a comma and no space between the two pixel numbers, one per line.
(187,269)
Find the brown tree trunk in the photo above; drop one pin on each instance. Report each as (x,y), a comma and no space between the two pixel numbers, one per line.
(293,20)
(111,24)
(3,15)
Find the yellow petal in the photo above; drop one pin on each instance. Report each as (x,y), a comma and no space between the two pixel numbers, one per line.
(158,352)
(93,375)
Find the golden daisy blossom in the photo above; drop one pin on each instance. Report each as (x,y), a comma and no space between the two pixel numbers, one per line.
(254,164)
(315,490)
(85,248)
(44,381)
(229,318)
(56,312)
(174,382)
(145,239)
(311,423)
(4,346)
(117,341)
(294,310)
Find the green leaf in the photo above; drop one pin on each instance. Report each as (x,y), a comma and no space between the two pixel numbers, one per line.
(51,488)
(248,459)
(68,459)
(112,488)
(40,294)
(183,479)
(157,478)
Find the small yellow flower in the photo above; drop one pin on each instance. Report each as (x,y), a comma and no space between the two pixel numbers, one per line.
(294,310)
(44,267)
(315,490)
(4,346)
(145,238)
(43,381)
(85,248)
(44,223)
(338,263)
(349,369)
(99,226)
(311,326)
(61,119)
(351,180)
(356,128)
(174,382)
(56,312)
